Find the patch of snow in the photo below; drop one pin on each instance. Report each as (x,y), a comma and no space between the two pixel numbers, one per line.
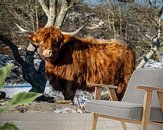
(65,110)
(23,85)
(82,97)
(153,64)
(52,93)
(10,92)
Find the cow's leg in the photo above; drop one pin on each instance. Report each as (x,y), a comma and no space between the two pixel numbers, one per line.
(69,95)
(69,91)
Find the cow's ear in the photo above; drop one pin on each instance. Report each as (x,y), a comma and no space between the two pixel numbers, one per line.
(32,37)
(66,38)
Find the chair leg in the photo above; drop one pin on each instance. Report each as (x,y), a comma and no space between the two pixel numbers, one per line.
(124,125)
(144,127)
(94,122)
(146,110)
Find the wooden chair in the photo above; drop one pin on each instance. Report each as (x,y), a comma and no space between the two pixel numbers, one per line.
(138,107)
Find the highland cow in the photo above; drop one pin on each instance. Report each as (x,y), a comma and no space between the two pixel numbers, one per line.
(71,62)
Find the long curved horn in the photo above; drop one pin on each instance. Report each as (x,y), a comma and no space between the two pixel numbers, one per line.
(75,32)
(22,30)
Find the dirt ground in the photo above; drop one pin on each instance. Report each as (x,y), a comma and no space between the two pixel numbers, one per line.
(56,105)
(61,106)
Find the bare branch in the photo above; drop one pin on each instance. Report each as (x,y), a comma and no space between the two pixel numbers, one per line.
(150,3)
(149,37)
(159,22)
(160,12)
(18,16)
(65,6)
(140,58)
(62,14)
(161,44)
(36,13)
(52,8)
(141,49)
(153,20)
(73,4)
(95,26)
(44,7)
(14,49)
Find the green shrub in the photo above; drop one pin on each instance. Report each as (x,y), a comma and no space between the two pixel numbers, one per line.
(4,73)
(19,99)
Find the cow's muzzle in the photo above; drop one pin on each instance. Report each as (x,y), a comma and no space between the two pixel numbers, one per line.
(47,53)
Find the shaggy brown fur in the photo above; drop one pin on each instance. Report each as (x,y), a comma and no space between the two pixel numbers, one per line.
(74,62)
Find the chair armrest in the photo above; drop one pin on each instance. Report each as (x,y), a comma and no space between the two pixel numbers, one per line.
(147,88)
(98,89)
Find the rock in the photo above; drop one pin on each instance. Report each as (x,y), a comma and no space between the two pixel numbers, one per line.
(45,98)
(2,95)
(4,59)
(21,108)
(65,110)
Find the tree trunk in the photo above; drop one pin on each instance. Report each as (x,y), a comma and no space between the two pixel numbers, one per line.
(156,42)
(35,77)
(147,57)
(62,14)
(51,16)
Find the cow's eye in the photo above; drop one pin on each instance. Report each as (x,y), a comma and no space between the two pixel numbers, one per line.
(55,45)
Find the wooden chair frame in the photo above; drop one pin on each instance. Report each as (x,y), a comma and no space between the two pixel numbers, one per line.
(146,106)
